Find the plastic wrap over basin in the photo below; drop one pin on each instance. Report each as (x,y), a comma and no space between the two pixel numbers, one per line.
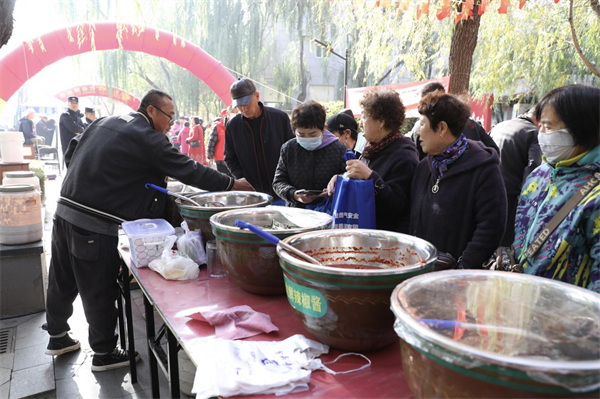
(251,261)
(347,304)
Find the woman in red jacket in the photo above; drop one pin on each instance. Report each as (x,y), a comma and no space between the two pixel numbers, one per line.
(182,138)
(196,142)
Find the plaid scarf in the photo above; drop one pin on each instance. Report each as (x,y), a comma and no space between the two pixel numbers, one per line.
(449,155)
(371,149)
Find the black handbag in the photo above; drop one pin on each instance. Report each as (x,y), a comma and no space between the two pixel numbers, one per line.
(194,144)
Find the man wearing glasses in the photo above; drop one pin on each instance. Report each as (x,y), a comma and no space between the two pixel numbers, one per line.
(108,167)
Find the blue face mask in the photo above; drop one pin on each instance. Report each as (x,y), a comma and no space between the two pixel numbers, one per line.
(310,143)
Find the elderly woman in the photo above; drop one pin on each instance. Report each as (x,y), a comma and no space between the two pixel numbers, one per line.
(569,138)
(308,162)
(389,159)
(458,198)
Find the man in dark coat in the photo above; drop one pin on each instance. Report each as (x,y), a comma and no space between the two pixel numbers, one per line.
(90,116)
(520,154)
(254,138)
(109,166)
(44,130)
(26,126)
(472,131)
(70,123)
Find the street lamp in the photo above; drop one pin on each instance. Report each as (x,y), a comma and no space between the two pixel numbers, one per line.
(328,48)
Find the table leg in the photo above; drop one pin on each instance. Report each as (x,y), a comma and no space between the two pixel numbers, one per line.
(121,322)
(130,338)
(173,348)
(150,336)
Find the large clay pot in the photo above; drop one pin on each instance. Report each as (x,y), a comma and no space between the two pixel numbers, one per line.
(482,334)
(198,217)
(251,261)
(344,306)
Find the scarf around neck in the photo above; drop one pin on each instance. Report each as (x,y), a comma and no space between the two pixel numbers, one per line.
(449,155)
(372,149)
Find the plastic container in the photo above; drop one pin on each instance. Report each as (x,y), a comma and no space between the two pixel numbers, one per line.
(11,146)
(213,261)
(22,177)
(483,334)
(147,239)
(20,214)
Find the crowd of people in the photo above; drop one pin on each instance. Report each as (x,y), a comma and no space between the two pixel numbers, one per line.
(464,191)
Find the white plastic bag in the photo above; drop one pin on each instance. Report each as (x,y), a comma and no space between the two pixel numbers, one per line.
(192,245)
(174,265)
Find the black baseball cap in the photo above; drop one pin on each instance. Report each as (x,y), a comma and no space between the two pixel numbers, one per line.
(242,91)
(71,99)
(341,121)
(90,110)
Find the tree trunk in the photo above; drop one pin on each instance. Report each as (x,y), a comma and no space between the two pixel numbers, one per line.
(595,4)
(6,20)
(462,47)
(587,63)
(303,79)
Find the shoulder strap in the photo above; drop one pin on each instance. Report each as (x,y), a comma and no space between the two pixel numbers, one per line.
(562,214)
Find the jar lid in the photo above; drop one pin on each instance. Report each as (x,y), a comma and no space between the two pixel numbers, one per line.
(22,173)
(506,319)
(16,188)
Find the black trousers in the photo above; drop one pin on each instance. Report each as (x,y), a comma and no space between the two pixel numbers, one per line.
(84,263)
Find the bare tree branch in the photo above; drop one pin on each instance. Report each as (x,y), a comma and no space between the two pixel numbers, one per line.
(587,63)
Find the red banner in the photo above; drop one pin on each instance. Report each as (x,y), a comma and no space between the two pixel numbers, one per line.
(101,91)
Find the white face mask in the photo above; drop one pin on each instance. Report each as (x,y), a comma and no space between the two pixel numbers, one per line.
(557,145)
(310,143)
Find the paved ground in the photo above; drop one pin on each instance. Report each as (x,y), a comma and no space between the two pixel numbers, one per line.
(29,372)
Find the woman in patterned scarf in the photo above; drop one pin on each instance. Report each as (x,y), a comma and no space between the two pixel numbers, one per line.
(389,159)
(458,198)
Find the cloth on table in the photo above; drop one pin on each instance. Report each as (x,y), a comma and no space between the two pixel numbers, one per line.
(237,322)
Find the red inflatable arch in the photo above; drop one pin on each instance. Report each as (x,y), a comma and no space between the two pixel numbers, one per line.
(28,59)
(101,91)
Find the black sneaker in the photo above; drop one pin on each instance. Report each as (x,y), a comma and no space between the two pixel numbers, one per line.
(64,344)
(117,359)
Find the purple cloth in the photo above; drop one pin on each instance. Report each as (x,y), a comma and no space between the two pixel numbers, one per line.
(328,138)
(237,322)
(449,155)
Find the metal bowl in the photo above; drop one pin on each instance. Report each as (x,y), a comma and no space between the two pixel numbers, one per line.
(345,307)
(251,261)
(198,217)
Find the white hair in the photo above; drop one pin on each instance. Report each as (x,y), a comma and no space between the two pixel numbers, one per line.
(30,111)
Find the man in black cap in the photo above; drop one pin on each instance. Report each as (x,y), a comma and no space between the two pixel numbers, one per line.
(70,123)
(345,128)
(90,116)
(253,138)
(109,166)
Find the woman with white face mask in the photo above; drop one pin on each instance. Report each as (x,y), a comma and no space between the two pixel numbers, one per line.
(307,163)
(569,138)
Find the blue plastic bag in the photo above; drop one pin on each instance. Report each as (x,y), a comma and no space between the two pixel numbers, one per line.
(354,204)
(325,206)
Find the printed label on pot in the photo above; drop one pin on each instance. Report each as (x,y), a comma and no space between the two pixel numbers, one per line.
(306,300)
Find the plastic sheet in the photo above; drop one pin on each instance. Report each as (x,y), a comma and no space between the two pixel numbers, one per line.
(545,330)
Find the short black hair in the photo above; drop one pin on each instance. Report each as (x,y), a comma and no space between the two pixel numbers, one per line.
(186,124)
(309,115)
(154,98)
(197,120)
(438,107)
(431,87)
(578,106)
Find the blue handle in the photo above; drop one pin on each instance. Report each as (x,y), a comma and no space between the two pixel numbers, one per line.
(259,232)
(157,188)
(441,324)
(349,155)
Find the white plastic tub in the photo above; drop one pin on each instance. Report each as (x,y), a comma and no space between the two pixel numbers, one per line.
(11,146)
(146,239)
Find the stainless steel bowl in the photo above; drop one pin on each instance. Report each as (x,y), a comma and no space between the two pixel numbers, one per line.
(198,217)
(252,262)
(346,308)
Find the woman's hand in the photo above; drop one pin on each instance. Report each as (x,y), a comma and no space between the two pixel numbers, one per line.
(358,170)
(331,185)
(305,198)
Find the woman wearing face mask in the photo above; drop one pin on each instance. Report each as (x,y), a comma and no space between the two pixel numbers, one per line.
(458,200)
(389,159)
(308,161)
(569,138)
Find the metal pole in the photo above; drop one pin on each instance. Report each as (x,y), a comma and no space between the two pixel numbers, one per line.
(346,76)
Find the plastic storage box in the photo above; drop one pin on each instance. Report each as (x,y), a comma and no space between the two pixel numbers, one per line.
(147,239)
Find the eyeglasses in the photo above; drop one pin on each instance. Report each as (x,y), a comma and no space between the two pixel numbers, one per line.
(171,120)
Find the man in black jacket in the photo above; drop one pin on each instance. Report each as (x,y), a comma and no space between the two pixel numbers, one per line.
(70,123)
(108,167)
(253,139)
(472,130)
(520,154)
